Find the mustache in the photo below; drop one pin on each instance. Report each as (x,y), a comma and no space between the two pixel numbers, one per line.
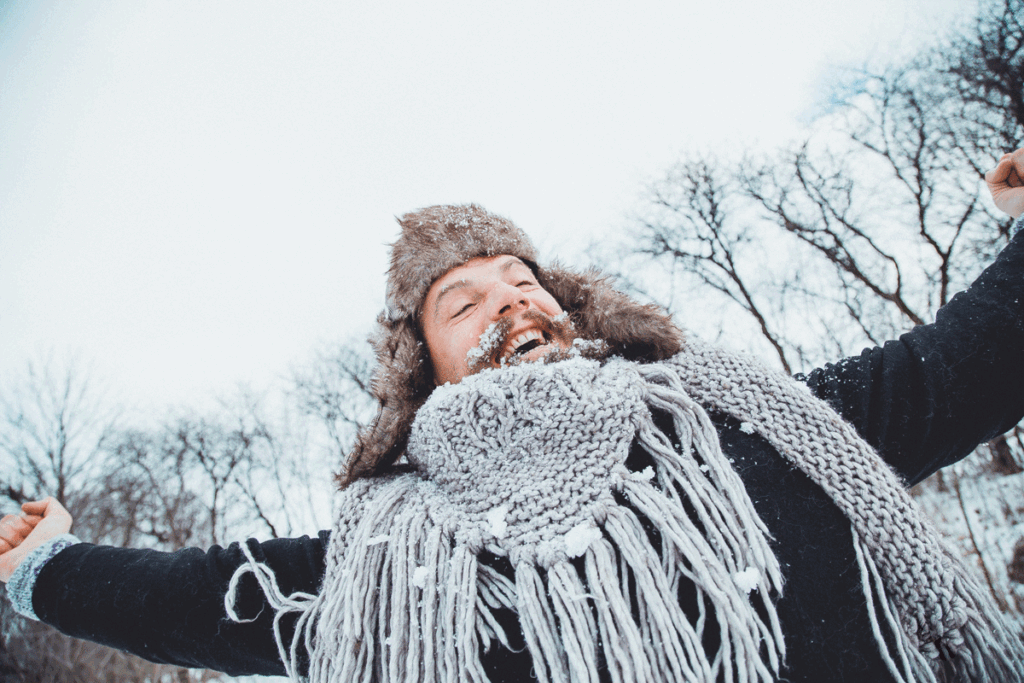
(495,339)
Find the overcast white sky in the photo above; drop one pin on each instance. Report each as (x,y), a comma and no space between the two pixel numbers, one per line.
(197,194)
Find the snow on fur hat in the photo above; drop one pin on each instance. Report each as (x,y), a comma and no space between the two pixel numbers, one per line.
(437,239)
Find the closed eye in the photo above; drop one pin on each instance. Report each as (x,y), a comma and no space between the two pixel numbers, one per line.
(461,311)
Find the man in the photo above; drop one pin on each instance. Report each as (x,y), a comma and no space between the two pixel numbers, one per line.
(588,494)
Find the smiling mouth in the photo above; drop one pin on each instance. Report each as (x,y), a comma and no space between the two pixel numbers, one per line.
(522,344)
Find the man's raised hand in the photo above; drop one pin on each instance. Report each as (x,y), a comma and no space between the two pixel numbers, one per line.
(1006,183)
(40,521)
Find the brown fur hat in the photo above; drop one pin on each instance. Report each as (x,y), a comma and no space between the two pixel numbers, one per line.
(435,240)
(438,238)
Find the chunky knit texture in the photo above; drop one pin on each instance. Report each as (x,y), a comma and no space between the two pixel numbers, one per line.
(528,463)
(948,622)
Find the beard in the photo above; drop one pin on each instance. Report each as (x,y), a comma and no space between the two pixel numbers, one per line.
(559,335)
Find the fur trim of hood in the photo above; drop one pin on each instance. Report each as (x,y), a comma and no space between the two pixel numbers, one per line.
(437,239)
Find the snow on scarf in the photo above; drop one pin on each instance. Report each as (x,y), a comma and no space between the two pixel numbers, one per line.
(528,463)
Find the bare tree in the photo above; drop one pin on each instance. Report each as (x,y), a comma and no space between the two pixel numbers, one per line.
(56,437)
(983,68)
(334,390)
(691,227)
(55,427)
(866,226)
(862,229)
(194,480)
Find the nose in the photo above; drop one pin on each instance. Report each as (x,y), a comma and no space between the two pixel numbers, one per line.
(507,299)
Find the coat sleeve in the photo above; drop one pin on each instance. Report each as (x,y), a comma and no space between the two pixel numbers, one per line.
(929,398)
(169,607)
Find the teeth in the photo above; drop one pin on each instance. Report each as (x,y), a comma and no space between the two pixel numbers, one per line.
(513,346)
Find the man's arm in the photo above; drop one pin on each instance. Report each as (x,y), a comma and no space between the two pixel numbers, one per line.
(929,398)
(169,607)
(165,607)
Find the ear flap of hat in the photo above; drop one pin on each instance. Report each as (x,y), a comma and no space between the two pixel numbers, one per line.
(402,381)
(636,331)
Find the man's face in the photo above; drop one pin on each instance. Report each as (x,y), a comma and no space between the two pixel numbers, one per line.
(464,302)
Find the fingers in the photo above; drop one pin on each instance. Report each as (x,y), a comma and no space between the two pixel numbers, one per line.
(11,532)
(38,507)
(55,519)
(999,174)
(14,529)
(40,519)
(1012,162)
(50,511)
(1006,183)
(1014,178)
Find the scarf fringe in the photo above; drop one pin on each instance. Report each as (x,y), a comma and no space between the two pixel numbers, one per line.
(986,650)
(990,650)
(409,604)
(405,597)
(299,602)
(402,601)
(621,572)
(636,615)
(943,614)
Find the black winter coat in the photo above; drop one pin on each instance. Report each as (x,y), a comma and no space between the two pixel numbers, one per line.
(923,402)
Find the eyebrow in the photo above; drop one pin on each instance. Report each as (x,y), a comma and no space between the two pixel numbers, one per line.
(463,283)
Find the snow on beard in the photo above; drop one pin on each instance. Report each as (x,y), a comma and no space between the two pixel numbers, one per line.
(557,330)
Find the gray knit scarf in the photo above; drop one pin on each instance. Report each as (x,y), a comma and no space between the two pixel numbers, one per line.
(528,462)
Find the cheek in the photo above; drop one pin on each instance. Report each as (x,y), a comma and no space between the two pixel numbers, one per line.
(450,352)
(437,345)
(450,362)
(548,305)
